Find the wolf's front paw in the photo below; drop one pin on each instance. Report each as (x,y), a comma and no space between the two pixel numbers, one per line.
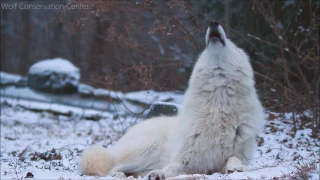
(234,164)
(117,174)
(156,175)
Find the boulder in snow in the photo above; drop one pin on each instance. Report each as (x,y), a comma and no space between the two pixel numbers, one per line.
(54,75)
(163,109)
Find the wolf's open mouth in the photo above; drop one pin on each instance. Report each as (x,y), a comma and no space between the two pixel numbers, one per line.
(215,34)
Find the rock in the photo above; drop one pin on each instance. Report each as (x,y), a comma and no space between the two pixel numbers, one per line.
(54,75)
(85,90)
(22,82)
(163,109)
(29,175)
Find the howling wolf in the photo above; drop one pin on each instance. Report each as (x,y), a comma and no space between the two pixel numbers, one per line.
(214,131)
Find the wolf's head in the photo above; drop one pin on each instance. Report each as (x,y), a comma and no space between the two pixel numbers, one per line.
(222,52)
(215,34)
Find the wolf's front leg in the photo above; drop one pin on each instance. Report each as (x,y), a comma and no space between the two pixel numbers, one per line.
(171,170)
(117,175)
(243,151)
(234,164)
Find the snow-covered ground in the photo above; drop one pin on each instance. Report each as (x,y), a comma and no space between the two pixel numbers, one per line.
(44,145)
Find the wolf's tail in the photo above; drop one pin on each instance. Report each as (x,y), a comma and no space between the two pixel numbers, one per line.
(96,161)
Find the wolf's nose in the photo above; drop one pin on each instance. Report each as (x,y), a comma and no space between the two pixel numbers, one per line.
(214,24)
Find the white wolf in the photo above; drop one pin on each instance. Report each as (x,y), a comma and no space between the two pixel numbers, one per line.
(214,131)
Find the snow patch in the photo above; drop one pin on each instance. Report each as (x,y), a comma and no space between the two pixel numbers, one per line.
(151,96)
(7,78)
(108,93)
(25,132)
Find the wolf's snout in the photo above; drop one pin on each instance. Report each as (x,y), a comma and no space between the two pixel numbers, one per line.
(215,33)
(214,24)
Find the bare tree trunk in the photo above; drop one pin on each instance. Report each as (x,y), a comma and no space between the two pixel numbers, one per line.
(56,41)
(101,52)
(96,49)
(26,39)
(306,14)
(4,19)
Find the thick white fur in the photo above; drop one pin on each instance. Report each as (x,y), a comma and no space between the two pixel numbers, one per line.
(96,161)
(214,131)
